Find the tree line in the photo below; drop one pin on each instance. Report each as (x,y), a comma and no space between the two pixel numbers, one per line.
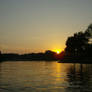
(78,47)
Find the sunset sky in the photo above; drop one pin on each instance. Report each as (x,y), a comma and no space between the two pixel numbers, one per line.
(38,25)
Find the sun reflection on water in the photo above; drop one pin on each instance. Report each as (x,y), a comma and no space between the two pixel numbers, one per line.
(44,76)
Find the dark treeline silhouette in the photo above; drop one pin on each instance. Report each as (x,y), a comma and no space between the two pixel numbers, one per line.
(47,55)
(0,56)
(78,50)
(79,47)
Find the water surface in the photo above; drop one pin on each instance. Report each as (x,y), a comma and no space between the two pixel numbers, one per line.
(42,76)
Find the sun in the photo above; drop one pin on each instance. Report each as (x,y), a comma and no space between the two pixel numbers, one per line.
(58,51)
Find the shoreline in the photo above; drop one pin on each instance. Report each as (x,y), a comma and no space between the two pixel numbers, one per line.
(76,60)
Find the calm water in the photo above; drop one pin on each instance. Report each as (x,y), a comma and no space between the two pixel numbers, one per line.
(30,76)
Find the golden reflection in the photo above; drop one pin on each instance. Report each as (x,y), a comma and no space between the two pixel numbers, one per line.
(43,76)
(60,72)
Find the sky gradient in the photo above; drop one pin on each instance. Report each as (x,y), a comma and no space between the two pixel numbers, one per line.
(38,25)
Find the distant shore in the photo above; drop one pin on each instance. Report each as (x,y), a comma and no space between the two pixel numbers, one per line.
(83,60)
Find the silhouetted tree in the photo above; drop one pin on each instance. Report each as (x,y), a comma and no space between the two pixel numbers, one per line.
(0,56)
(49,55)
(88,32)
(78,43)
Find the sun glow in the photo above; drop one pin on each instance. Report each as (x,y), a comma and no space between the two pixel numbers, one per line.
(58,51)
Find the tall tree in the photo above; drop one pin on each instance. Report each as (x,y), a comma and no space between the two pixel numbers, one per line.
(78,43)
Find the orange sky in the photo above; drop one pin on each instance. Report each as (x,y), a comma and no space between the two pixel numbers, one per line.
(38,25)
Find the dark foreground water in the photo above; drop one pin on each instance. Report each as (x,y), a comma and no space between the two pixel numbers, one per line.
(34,76)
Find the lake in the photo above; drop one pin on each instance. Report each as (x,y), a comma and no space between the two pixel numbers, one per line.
(43,76)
